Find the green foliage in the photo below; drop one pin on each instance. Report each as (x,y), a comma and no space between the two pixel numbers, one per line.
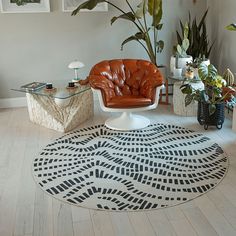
(199,46)
(231,27)
(151,8)
(213,88)
(181,48)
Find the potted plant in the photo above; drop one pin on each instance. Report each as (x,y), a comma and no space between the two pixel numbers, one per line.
(211,100)
(199,46)
(195,64)
(181,58)
(147,31)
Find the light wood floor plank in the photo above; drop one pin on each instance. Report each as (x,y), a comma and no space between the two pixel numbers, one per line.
(83,228)
(160,223)
(102,224)
(141,224)
(121,224)
(214,216)
(62,219)
(26,210)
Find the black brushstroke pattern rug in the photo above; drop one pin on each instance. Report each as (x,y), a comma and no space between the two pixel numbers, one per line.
(160,166)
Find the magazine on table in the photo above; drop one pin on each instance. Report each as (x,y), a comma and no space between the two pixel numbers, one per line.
(33,86)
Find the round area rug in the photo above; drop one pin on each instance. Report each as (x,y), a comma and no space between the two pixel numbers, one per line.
(160,166)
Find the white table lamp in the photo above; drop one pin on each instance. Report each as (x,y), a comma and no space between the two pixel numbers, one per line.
(76,65)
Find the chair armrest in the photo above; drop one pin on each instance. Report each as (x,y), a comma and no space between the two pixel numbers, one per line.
(105,85)
(149,84)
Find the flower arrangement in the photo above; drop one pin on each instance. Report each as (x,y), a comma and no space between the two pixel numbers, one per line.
(212,92)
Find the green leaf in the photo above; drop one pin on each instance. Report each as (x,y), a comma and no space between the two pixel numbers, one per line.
(231,27)
(188,99)
(140,35)
(203,20)
(141,9)
(185,44)
(179,50)
(155,10)
(129,39)
(205,71)
(159,27)
(90,4)
(127,16)
(203,96)
(186,30)
(212,109)
(186,89)
(212,71)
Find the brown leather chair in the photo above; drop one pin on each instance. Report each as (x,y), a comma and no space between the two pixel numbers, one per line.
(125,86)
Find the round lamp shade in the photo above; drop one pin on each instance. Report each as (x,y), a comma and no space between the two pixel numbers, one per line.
(76,65)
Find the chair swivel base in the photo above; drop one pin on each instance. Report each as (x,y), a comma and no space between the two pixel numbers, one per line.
(127,121)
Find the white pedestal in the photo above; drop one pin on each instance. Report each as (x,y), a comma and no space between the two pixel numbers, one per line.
(234,120)
(179,100)
(62,117)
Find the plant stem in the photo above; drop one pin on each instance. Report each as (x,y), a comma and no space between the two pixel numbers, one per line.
(155,35)
(145,48)
(147,39)
(124,13)
(140,23)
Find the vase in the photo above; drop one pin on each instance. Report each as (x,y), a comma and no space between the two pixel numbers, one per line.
(205,118)
(181,63)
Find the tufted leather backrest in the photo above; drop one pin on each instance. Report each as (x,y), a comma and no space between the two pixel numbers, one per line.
(128,77)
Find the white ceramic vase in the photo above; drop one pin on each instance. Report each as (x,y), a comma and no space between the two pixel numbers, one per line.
(181,63)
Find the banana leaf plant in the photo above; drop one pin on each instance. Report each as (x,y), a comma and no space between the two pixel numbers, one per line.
(147,34)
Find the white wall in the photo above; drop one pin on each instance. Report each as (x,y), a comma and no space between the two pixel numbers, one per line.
(222,13)
(38,47)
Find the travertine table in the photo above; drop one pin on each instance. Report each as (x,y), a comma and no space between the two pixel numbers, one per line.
(62,109)
(179,100)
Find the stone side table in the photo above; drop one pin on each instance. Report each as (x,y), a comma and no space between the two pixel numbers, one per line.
(62,110)
(179,100)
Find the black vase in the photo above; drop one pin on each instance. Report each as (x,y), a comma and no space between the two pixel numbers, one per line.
(215,119)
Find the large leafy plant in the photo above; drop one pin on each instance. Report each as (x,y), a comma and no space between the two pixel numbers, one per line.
(212,93)
(199,46)
(147,34)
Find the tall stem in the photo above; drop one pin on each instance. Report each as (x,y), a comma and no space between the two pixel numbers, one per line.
(140,23)
(155,35)
(147,39)
(110,3)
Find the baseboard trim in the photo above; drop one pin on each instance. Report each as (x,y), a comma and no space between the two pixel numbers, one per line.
(20,102)
(13,102)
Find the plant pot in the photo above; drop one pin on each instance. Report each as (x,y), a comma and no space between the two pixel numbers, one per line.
(216,119)
(181,63)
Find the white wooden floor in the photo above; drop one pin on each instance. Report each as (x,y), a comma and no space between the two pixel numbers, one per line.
(26,210)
